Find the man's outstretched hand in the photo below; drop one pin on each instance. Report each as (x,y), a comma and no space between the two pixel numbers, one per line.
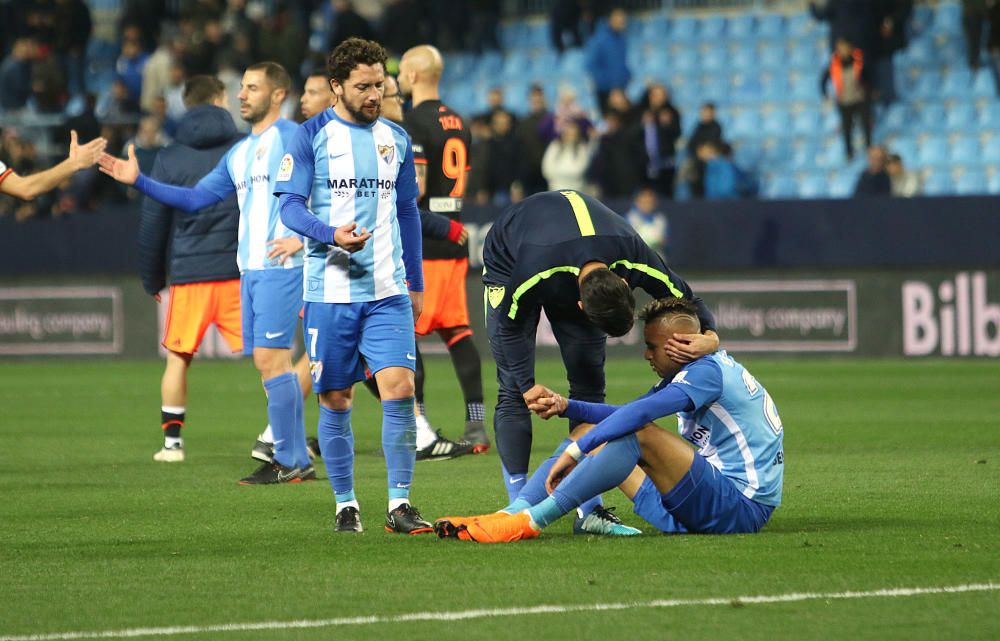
(124,171)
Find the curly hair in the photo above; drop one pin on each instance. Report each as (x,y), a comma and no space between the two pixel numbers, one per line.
(656,309)
(351,53)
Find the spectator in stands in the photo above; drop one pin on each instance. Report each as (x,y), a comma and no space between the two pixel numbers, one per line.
(148,141)
(618,101)
(566,160)
(15,74)
(849,75)
(567,110)
(532,145)
(117,106)
(73,27)
(494,104)
(857,21)
(905,183)
(893,18)
(606,56)
(173,94)
(874,180)
(478,179)
(724,180)
(347,23)
(661,129)
(129,68)
(619,161)
(564,19)
(648,221)
(708,131)
(156,73)
(202,55)
(975,15)
(505,157)
(48,85)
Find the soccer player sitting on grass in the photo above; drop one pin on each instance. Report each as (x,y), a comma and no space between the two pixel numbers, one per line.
(731,484)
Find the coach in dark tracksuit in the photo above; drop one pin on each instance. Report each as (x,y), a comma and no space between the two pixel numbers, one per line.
(540,255)
(197,251)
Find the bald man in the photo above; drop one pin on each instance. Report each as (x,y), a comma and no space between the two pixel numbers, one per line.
(29,187)
(729,483)
(441,153)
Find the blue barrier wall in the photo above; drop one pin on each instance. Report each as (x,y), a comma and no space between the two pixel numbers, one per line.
(879,232)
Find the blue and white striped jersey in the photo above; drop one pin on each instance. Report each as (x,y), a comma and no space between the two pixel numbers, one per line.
(735,425)
(250,169)
(354,173)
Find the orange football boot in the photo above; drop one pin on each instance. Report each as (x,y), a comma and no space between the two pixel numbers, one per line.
(505,529)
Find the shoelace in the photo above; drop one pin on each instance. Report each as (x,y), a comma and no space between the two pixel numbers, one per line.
(607,514)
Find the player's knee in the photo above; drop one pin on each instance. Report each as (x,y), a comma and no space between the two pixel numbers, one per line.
(577,432)
(395,385)
(272,362)
(339,400)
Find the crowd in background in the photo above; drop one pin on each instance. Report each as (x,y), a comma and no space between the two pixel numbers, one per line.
(625,150)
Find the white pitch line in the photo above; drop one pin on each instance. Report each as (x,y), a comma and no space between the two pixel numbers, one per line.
(461,615)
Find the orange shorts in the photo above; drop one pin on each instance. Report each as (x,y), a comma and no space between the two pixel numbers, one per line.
(444,295)
(195,306)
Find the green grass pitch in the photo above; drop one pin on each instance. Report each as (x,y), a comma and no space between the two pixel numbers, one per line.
(892,481)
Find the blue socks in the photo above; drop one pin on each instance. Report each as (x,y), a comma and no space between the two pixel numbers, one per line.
(336,442)
(513,482)
(285,413)
(399,443)
(533,492)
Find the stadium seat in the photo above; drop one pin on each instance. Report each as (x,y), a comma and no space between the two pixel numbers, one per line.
(772,56)
(948,18)
(932,117)
(933,151)
(843,183)
(774,124)
(972,182)
(807,153)
(684,29)
(991,151)
(928,86)
(993,182)
(965,151)
(740,26)
(807,122)
(923,16)
(686,60)
(803,58)
(907,149)
(920,53)
(834,156)
(801,24)
(744,125)
(771,26)
(989,115)
(711,28)
(655,28)
(938,184)
(961,117)
(984,85)
(812,185)
(781,186)
(957,84)
(713,60)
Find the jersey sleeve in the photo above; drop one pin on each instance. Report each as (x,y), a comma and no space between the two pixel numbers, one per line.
(297,167)
(218,181)
(408,217)
(634,416)
(701,381)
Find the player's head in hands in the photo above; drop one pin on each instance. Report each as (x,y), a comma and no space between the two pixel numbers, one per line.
(606,299)
(420,66)
(357,75)
(264,87)
(663,318)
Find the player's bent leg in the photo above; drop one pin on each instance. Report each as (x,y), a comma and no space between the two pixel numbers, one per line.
(666,457)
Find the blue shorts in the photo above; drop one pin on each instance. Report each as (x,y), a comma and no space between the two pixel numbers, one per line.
(703,502)
(339,335)
(271,300)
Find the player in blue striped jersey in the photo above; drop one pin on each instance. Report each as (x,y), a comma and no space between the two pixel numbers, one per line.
(363,278)
(269,256)
(730,483)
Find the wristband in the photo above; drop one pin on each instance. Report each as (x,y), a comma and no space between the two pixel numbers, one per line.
(454,230)
(574,451)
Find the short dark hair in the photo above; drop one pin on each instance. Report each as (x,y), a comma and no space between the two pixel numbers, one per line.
(608,301)
(657,309)
(202,90)
(351,53)
(275,74)
(319,73)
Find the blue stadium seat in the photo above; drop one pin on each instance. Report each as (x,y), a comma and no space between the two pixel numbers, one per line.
(972,182)
(920,53)
(898,118)
(938,183)
(714,59)
(948,18)
(744,125)
(932,117)
(774,87)
(991,151)
(961,117)
(928,86)
(812,185)
(807,154)
(655,28)
(923,16)
(684,29)
(772,56)
(801,24)
(776,152)
(989,115)
(685,60)
(781,186)
(711,28)
(803,87)
(984,85)
(843,183)
(747,154)
(933,151)
(834,157)
(993,181)
(774,124)
(771,25)
(571,63)
(740,26)
(965,151)
(957,84)
(807,122)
